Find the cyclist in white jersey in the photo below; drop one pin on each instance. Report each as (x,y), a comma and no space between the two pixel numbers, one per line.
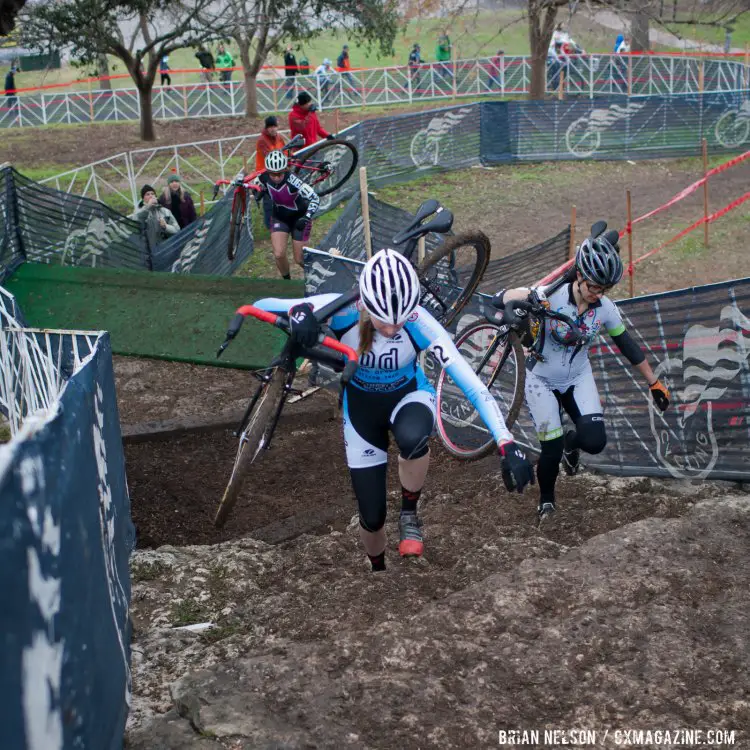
(390,393)
(564,379)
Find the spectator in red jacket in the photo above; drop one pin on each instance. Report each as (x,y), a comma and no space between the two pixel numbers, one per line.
(303,120)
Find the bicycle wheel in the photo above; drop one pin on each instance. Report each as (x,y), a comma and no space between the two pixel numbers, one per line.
(452,274)
(253,439)
(235,223)
(498,359)
(327,166)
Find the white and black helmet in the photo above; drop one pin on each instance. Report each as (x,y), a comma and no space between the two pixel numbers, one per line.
(276,161)
(598,262)
(389,287)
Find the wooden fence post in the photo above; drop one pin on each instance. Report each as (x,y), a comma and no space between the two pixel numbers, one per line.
(572,246)
(705,193)
(631,267)
(561,85)
(203,202)
(364,198)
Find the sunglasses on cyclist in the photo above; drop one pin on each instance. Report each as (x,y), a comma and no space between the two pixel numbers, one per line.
(594,289)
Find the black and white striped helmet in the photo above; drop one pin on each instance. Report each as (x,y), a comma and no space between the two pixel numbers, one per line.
(276,161)
(389,287)
(598,262)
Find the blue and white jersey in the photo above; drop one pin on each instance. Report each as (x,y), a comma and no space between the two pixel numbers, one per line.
(393,362)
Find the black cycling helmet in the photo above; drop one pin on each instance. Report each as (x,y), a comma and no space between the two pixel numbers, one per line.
(598,262)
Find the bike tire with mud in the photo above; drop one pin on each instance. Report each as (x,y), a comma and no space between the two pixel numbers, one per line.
(476,446)
(255,437)
(235,225)
(317,154)
(464,243)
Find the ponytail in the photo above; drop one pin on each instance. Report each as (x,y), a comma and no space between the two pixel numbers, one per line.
(366,333)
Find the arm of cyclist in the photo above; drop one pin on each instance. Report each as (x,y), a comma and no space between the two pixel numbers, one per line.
(430,335)
(632,352)
(343,320)
(309,197)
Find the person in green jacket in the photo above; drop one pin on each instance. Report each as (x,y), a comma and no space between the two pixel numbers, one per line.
(443,55)
(224,60)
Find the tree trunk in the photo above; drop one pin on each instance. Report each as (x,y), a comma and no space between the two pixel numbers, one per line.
(147,112)
(251,90)
(639,31)
(251,94)
(105,84)
(541,26)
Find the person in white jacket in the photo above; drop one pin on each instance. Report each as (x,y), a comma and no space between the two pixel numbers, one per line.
(159,221)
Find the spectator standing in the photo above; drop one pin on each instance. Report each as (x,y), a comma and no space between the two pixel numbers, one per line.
(10,87)
(344,65)
(225,62)
(178,201)
(324,75)
(495,69)
(269,140)
(206,59)
(157,220)
(624,46)
(164,71)
(620,66)
(415,62)
(304,66)
(443,55)
(290,71)
(304,121)
(618,42)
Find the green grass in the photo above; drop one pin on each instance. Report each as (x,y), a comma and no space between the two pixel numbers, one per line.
(193,311)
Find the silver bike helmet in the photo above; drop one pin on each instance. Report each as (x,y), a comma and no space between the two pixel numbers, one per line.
(389,287)
(599,262)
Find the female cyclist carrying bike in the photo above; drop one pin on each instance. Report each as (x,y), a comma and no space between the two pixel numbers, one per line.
(390,393)
(293,205)
(562,378)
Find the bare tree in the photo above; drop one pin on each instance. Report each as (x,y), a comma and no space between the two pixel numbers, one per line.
(261,27)
(92,28)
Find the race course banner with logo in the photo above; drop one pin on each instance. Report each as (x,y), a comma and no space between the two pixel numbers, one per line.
(698,342)
(67,536)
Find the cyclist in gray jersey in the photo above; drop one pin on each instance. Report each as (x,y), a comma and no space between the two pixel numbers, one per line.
(389,393)
(563,379)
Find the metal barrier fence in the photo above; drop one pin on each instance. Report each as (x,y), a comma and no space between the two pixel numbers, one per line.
(65,522)
(502,75)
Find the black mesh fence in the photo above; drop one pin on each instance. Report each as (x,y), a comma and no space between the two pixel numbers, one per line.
(43,225)
(613,127)
(522,268)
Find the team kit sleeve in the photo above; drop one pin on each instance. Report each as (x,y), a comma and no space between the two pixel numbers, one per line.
(341,321)
(307,194)
(431,336)
(621,337)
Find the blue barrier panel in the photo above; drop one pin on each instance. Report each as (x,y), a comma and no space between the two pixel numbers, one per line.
(65,539)
(495,135)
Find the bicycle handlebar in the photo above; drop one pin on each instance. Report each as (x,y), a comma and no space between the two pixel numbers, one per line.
(281,322)
(538,310)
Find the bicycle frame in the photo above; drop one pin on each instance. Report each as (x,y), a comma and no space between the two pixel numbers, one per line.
(286,359)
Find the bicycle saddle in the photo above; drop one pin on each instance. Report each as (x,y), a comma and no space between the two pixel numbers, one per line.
(441,223)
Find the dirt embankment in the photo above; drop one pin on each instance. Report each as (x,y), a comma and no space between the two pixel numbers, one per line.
(500,626)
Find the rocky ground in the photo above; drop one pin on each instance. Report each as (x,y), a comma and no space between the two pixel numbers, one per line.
(630,609)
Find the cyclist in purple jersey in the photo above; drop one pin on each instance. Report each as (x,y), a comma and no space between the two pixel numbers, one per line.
(293,205)
(389,393)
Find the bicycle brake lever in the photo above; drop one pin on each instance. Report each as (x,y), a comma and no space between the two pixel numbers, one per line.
(223,347)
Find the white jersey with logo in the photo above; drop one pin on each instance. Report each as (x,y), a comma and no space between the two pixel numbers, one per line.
(392,362)
(564,362)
